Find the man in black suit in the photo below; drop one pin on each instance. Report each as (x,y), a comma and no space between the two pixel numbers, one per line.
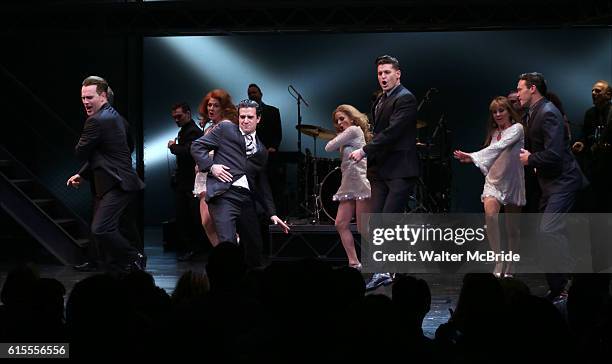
(104,147)
(236,180)
(270,132)
(187,212)
(559,176)
(393,165)
(269,129)
(594,150)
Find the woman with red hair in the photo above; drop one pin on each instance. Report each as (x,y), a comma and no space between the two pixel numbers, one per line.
(216,106)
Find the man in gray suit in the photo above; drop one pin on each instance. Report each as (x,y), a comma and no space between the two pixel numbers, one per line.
(237,180)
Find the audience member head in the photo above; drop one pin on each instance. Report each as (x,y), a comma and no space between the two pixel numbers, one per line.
(225,267)
(412,297)
(191,287)
(19,286)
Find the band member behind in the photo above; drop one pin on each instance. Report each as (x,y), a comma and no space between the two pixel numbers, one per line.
(594,147)
(594,150)
(186,209)
(270,129)
(237,180)
(504,175)
(354,192)
(216,106)
(393,164)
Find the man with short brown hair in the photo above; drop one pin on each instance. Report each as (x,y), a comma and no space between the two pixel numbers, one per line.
(105,149)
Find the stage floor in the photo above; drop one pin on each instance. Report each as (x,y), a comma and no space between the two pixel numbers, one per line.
(167,270)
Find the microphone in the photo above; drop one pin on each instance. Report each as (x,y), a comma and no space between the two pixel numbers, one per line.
(299,96)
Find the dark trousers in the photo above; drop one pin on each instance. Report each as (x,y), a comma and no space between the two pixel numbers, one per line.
(391,195)
(554,248)
(234,212)
(597,201)
(187,220)
(105,227)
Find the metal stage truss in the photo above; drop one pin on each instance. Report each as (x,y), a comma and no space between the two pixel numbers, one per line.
(165,18)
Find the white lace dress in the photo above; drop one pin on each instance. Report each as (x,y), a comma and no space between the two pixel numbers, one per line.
(199,185)
(354,184)
(499,162)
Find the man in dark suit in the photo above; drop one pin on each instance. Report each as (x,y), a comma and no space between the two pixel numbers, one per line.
(104,147)
(270,132)
(269,129)
(187,213)
(559,176)
(393,165)
(594,150)
(237,181)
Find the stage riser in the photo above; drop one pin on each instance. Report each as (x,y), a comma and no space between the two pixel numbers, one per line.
(309,241)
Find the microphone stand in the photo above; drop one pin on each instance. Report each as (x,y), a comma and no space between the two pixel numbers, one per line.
(426,98)
(298,97)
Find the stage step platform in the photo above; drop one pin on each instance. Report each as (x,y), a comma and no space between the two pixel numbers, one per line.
(309,241)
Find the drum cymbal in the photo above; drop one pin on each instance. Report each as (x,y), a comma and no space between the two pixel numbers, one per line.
(316,131)
(421,124)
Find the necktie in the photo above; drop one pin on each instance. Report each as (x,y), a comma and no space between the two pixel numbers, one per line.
(250,144)
(382,99)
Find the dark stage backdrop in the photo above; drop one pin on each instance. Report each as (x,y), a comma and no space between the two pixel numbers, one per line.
(468,69)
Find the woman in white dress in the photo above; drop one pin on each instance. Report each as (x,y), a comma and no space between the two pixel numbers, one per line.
(215,107)
(504,175)
(354,191)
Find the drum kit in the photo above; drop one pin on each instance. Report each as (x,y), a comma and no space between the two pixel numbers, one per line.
(315,201)
(318,192)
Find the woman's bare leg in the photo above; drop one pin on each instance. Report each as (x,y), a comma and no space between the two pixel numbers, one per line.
(491,207)
(513,230)
(361,207)
(343,220)
(207,222)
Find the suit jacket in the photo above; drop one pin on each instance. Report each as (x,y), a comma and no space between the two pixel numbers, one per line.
(392,151)
(556,168)
(185,171)
(230,150)
(269,129)
(105,147)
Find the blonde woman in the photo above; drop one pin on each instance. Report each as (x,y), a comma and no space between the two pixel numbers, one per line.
(505,179)
(354,192)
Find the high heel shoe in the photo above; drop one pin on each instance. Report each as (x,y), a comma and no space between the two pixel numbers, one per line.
(357,266)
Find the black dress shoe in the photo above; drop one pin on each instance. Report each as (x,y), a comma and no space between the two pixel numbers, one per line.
(189,256)
(86,267)
(142,260)
(134,266)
